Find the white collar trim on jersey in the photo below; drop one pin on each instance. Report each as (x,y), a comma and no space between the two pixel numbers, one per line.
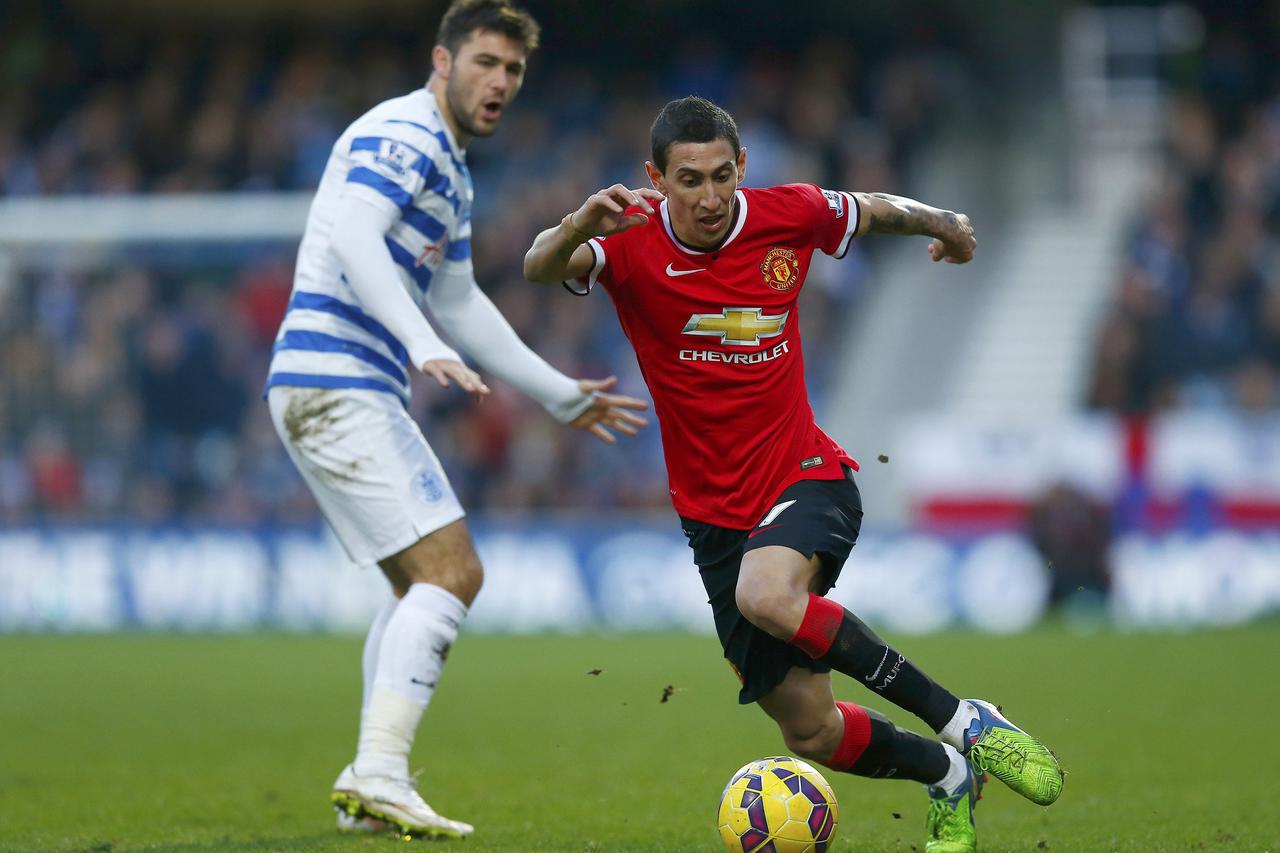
(737,227)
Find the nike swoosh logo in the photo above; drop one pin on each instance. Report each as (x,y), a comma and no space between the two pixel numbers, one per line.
(875,674)
(675,273)
(752,534)
(775,512)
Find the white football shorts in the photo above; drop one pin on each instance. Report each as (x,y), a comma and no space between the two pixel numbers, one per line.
(373,474)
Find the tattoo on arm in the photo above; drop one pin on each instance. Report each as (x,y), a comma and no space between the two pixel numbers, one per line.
(907,216)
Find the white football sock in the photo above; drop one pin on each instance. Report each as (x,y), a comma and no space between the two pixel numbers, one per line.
(373,642)
(953,732)
(414,646)
(956,773)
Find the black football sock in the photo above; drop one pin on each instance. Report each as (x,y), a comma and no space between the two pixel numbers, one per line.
(833,635)
(874,747)
(895,753)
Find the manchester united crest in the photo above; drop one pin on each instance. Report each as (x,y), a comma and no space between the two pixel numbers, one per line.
(781,268)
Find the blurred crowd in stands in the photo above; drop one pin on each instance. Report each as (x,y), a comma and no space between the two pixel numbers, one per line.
(130,388)
(1196,316)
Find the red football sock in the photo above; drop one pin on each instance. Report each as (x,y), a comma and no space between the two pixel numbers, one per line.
(818,628)
(857,734)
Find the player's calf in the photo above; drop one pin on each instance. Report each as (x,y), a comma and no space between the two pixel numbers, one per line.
(853,739)
(814,739)
(874,747)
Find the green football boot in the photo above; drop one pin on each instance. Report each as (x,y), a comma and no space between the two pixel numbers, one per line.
(996,746)
(950,818)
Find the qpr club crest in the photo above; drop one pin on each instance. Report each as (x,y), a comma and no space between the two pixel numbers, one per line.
(428,486)
(780,268)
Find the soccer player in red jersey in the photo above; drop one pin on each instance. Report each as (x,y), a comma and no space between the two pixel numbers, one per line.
(705,275)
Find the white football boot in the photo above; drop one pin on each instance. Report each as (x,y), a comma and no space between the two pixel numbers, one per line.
(350,822)
(379,803)
(360,825)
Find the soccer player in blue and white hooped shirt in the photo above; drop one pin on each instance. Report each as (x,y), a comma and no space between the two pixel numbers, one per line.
(389,230)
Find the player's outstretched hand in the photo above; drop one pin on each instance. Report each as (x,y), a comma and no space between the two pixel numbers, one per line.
(609,411)
(602,213)
(445,370)
(957,246)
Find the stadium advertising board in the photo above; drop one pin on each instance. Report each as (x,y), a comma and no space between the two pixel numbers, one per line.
(561,577)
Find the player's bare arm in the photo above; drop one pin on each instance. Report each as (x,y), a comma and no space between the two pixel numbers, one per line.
(883,213)
(560,253)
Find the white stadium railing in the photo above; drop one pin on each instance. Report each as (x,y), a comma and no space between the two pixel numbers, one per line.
(97,220)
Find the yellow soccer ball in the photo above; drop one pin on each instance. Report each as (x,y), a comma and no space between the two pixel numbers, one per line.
(777,805)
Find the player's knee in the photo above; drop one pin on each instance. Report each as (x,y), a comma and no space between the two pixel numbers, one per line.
(459,571)
(764,605)
(754,601)
(472,578)
(463,578)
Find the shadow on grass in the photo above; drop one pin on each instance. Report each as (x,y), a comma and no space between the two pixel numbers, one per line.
(321,841)
(379,843)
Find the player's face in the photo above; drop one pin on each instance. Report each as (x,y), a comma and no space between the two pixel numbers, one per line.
(481,80)
(699,183)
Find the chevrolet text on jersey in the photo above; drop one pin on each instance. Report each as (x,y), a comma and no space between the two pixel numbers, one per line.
(734,357)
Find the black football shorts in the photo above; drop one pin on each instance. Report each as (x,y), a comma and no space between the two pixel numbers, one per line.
(813,517)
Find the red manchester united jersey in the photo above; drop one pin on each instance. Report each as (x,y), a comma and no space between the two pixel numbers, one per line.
(717,337)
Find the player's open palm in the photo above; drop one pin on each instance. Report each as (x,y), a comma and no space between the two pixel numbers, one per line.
(604,213)
(609,411)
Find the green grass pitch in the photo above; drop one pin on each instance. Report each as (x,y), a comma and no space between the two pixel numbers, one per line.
(212,743)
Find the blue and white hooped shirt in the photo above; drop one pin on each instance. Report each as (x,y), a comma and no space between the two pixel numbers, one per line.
(399,153)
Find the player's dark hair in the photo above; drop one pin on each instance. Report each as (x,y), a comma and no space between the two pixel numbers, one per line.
(465,17)
(690,119)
